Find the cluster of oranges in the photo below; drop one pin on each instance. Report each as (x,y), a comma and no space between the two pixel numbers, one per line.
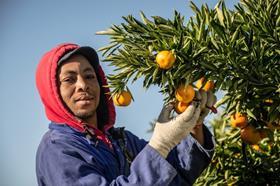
(248,133)
(165,60)
(184,94)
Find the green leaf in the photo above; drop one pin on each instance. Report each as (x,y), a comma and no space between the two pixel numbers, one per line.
(235,34)
(155,74)
(144,18)
(208,65)
(251,114)
(218,29)
(222,101)
(220,16)
(199,52)
(106,32)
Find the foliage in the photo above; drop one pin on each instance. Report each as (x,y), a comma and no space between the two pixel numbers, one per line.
(233,165)
(238,49)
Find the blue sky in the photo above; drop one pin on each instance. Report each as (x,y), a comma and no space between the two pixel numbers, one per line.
(28,28)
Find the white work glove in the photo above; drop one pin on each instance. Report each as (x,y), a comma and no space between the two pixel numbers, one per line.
(207,101)
(168,132)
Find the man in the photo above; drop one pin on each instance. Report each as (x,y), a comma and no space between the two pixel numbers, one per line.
(82,146)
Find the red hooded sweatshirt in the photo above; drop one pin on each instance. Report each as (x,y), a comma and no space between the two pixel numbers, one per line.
(46,81)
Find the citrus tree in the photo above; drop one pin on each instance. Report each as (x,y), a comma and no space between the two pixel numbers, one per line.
(235,163)
(234,51)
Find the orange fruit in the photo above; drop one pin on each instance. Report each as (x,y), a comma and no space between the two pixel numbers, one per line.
(250,135)
(263,149)
(264,133)
(256,147)
(122,99)
(165,59)
(209,85)
(185,93)
(238,120)
(180,107)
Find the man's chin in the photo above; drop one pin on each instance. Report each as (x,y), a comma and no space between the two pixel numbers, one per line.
(84,115)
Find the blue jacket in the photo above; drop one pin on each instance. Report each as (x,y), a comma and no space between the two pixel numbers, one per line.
(66,157)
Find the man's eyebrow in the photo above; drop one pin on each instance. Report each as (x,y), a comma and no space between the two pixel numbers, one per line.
(88,69)
(69,72)
(72,72)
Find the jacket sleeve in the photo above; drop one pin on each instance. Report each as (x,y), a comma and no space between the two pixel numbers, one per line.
(58,165)
(190,158)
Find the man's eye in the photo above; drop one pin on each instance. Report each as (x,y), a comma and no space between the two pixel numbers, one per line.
(68,80)
(90,76)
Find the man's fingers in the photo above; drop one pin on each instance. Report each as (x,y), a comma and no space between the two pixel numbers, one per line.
(189,112)
(198,96)
(211,99)
(197,113)
(203,114)
(164,115)
(203,98)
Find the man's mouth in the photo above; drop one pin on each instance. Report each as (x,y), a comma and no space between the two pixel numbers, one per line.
(84,99)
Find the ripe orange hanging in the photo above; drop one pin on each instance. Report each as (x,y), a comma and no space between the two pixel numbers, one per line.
(165,59)
(209,85)
(122,99)
(250,135)
(264,133)
(185,93)
(180,107)
(238,120)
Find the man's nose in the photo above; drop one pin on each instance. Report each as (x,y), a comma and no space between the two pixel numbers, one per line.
(81,84)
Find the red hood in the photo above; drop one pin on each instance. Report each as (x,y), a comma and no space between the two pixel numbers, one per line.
(48,90)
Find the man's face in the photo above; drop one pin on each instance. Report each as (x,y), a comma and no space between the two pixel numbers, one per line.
(79,87)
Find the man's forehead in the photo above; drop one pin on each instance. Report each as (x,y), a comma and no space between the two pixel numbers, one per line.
(74,65)
(76,61)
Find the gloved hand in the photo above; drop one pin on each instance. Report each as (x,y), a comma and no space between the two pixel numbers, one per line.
(168,132)
(207,101)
